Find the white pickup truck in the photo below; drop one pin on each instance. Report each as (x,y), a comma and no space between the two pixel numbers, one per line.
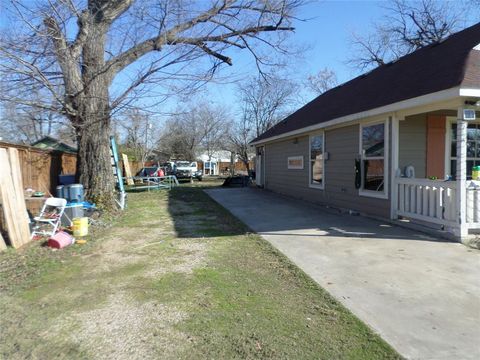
(187,170)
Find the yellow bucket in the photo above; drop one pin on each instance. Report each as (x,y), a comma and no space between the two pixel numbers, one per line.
(80,226)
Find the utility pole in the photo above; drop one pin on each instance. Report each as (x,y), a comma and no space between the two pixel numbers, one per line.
(148,126)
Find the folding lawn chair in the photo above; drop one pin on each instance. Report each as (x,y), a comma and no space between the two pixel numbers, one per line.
(49,217)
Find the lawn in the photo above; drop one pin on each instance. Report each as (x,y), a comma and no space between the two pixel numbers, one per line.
(174,277)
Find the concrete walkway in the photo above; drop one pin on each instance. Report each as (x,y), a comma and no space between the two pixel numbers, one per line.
(421,295)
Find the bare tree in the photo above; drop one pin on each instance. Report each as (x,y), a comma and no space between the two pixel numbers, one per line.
(140,133)
(322,81)
(239,138)
(200,127)
(409,26)
(215,122)
(26,124)
(266,101)
(98,56)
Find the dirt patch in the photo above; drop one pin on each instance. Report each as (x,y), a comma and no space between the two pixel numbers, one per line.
(126,329)
(189,255)
(124,247)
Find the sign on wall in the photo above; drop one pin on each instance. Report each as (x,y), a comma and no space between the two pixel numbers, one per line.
(295,162)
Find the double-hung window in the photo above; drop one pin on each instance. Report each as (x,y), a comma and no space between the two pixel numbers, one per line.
(317,165)
(373,148)
(473,148)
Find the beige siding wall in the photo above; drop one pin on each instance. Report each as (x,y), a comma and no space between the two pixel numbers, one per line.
(413,144)
(342,144)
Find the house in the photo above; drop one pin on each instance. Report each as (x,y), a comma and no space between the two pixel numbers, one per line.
(220,163)
(50,143)
(384,143)
(212,163)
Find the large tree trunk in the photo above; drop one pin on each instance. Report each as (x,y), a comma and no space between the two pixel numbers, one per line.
(93,124)
(94,164)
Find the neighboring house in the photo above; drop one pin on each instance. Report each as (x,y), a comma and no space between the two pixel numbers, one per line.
(219,163)
(50,143)
(212,164)
(352,146)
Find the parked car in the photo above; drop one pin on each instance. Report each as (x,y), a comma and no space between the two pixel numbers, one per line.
(188,170)
(169,168)
(151,171)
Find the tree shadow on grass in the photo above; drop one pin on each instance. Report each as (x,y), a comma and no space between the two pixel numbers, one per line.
(196,215)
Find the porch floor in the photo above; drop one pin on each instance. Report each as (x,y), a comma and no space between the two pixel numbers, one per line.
(419,293)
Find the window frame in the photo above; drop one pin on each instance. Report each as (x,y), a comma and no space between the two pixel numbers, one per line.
(295,167)
(322,185)
(448,144)
(386,153)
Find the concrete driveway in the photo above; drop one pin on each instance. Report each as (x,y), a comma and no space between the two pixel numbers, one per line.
(421,295)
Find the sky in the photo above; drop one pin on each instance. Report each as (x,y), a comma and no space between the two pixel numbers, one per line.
(325,34)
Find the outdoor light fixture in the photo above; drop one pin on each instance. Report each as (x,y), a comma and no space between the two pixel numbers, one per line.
(469,114)
(469,110)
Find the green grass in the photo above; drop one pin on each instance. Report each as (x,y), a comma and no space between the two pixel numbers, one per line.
(175,276)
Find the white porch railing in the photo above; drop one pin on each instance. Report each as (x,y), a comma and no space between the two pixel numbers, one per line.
(435,202)
(427,200)
(473,207)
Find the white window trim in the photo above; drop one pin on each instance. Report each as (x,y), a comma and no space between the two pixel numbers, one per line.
(448,142)
(300,157)
(316,186)
(386,154)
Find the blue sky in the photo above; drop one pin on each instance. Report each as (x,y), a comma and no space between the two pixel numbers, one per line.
(325,34)
(328,31)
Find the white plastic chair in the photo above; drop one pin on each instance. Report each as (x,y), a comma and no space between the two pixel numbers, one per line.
(50,216)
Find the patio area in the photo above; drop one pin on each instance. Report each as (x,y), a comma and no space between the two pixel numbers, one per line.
(434,158)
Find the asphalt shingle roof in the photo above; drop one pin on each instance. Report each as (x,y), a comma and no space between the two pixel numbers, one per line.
(445,65)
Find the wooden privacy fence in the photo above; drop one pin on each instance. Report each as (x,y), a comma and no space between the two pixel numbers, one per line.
(13,202)
(40,168)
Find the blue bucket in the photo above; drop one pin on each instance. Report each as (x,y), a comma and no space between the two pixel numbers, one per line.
(74,193)
(59,191)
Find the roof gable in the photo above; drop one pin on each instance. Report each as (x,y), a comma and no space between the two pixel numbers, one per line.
(50,143)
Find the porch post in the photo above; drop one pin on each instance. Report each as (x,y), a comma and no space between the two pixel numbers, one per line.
(394,166)
(461,177)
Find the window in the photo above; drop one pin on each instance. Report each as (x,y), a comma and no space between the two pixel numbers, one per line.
(473,149)
(317,150)
(295,162)
(373,150)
